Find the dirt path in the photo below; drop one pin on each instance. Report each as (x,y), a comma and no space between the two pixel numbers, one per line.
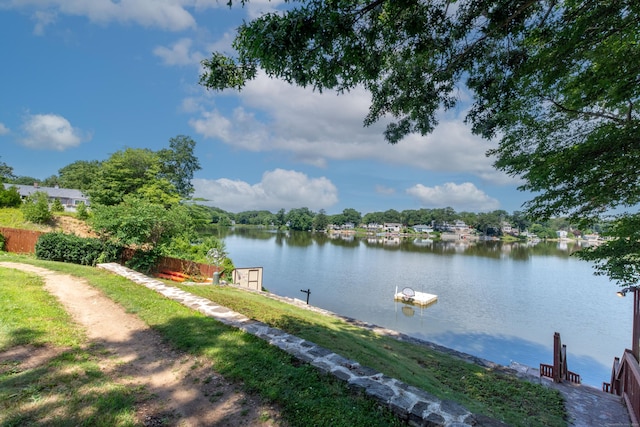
(184,390)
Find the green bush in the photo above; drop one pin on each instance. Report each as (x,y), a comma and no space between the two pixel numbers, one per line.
(192,250)
(36,208)
(81,211)
(227,269)
(9,197)
(77,250)
(56,206)
(144,261)
(2,240)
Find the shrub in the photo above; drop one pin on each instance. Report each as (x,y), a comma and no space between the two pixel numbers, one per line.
(56,206)
(81,211)
(227,268)
(144,261)
(36,208)
(9,197)
(196,251)
(2,240)
(77,250)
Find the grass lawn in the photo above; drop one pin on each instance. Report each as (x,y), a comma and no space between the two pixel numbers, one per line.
(70,389)
(306,396)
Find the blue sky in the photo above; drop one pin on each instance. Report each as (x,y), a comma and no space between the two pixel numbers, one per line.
(81,80)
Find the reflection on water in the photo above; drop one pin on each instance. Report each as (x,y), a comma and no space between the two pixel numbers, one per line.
(491,249)
(499,301)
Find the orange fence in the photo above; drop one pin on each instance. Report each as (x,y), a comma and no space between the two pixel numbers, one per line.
(20,241)
(24,242)
(174,264)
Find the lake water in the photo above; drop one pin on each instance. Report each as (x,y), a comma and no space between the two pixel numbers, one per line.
(502,302)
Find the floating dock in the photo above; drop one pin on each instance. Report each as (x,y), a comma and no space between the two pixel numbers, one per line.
(409,296)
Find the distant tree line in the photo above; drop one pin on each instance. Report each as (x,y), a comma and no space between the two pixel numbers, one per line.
(489,223)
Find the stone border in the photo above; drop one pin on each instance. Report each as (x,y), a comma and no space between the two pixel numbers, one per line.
(409,403)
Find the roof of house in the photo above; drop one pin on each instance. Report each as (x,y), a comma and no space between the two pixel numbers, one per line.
(58,193)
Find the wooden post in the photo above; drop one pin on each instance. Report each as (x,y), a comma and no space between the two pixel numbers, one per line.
(635,345)
(557,362)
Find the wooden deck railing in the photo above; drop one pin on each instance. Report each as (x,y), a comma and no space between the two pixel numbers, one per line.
(625,382)
(559,370)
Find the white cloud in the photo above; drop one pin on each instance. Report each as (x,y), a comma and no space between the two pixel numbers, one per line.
(179,53)
(241,130)
(169,15)
(212,125)
(318,128)
(3,129)
(465,196)
(279,189)
(52,132)
(256,8)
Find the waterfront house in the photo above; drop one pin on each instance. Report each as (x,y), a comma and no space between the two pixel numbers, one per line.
(421,228)
(392,227)
(373,226)
(461,227)
(506,228)
(69,198)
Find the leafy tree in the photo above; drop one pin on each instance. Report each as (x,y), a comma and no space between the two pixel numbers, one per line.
(353,216)
(51,181)
(9,197)
(472,219)
(520,220)
(555,81)
(373,218)
(619,258)
(391,215)
(221,219)
(321,221)
(25,180)
(6,172)
(79,175)
(300,219)
(36,208)
(444,215)
(411,217)
(129,172)
(140,223)
(281,218)
(202,215)
(337,219)
(490,223)
(179,163)
(159,192)
(262,217)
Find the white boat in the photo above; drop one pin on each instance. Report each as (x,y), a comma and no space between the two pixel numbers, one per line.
(409,296)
